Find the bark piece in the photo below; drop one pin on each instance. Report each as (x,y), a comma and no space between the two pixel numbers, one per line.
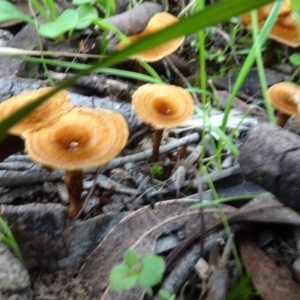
(38,230)
(26,39)
(14,279)
(270,158)
(84,237)
(45,241)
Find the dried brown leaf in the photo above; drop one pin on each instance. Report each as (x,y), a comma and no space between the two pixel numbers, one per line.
(268,279)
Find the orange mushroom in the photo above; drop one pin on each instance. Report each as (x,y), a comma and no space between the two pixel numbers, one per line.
(285,28)
(162,106)
(44,115)
(80,139)
(285,97)
(157,22)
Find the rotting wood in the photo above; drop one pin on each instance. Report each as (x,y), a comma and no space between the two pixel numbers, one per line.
(270,158)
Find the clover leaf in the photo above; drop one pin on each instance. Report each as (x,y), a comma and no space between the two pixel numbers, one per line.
(67,21)
(9,12)
(86,15)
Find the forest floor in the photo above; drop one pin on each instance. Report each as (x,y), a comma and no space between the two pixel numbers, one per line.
(242,238)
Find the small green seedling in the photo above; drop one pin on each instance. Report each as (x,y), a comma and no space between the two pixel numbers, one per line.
(66,22)
(165,295)
(157,171)
(242,289)
(59,26)
(146,272)
(69,21)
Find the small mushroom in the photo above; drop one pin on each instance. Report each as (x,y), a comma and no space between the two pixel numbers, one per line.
(285,97)
(82,138)
(162,107)
(157,22)
(285,28)
(44,115)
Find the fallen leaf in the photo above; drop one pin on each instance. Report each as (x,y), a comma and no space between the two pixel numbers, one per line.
(269,280)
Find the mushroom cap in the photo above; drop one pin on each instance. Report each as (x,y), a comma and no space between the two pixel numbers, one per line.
(44,115)
(283,97)
(284,30)
(264,11)
(162,106)
(157,22)
(81,138)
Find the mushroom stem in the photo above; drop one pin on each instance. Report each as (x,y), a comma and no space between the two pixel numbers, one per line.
(73,181)
(139,69)
(156,143)
(282,119)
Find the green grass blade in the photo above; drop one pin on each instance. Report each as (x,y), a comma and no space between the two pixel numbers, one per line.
(223,137)
(260,67)
(222,200)
(250,59)
(109,71)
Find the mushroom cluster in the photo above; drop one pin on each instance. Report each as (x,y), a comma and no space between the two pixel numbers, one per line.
(285,28)
(162,107)
(285,97)
(59,135)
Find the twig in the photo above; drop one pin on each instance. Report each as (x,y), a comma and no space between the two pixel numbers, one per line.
(7,51)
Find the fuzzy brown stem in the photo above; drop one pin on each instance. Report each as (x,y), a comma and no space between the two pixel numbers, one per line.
(156,143)
(139,69)
(282,119)
(73,181)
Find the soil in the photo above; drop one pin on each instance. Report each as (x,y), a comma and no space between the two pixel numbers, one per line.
(128,203)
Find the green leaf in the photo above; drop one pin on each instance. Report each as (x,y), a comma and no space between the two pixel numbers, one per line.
(296,6)
(117,274)
(131,258)
(86,15)
(9,12)
(165,295)
(65,22)
(81,2)
(153,267)
(129,281)
(295,59)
